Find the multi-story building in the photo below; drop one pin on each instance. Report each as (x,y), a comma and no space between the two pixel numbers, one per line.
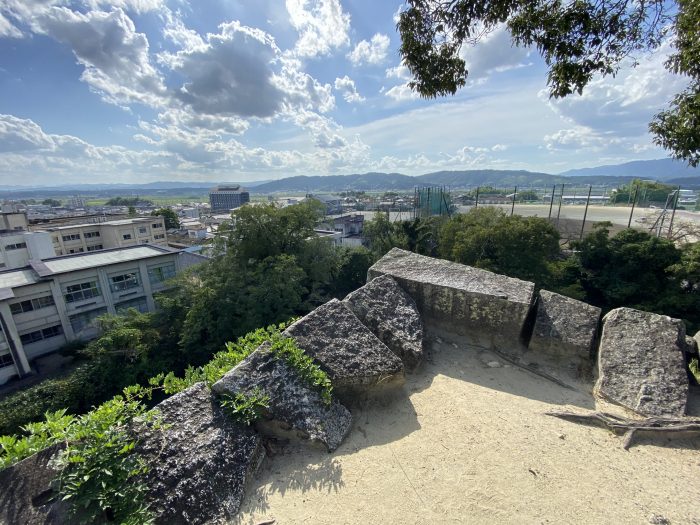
(350,227)
(11,221)
(53,301)
(227,197)
(79,238)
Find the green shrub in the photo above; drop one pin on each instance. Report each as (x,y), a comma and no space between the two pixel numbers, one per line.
(246,408)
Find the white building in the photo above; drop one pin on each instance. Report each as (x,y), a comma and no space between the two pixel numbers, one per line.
(79,238)
(53,301)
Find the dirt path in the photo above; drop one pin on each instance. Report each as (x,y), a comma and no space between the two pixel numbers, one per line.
(467,442)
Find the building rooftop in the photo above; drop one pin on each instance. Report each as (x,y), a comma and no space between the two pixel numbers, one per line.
(68,263)
(121,222)
(82,261)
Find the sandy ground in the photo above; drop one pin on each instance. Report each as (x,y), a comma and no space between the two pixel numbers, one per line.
(465,442)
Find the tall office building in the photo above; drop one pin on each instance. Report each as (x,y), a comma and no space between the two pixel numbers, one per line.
(227,197)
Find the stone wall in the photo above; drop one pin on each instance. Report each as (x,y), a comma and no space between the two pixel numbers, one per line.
(200,460)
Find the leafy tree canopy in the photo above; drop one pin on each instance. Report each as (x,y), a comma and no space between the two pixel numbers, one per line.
(578,40)
(487,238)
(171,218)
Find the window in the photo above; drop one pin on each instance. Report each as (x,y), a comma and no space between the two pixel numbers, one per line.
(157,225)
(81,321)
(139,303)
(159,236)
(95,247)
(32,304)
(82,291)
(75,250)
(159,274)
(38,335)
(72,237)
(125,281)
(17,246)
(126,236)
(6,360)
(143,230)
(90,235)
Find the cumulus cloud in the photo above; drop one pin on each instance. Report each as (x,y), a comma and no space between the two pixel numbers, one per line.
(373,51)
(322,26)
(115,56)
(494,53)
(21,135)
(622,105)
(346,86)
(231,75)
(401,93)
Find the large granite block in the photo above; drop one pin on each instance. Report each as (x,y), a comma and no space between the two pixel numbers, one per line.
(351,355)
(28,493)
(293,406)
(459,298)
(564,328)
(393,317)
(641,362)
(200,460)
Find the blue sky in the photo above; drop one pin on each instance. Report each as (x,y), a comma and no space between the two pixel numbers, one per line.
(146,90)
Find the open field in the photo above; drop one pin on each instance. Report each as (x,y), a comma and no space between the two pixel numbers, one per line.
(468,442)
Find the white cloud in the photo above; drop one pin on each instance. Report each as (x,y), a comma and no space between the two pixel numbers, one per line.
(322,26)
(372,52)
(401,93)
(7,29)
(399,72)
(494,53)
(346,86)
(115,56)
(623,105)
(22,135)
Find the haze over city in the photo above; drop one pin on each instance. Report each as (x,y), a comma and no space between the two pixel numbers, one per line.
(246,91)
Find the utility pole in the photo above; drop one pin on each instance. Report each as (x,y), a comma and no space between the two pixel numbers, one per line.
(634,201)
(585,212)
(476,201)
(551,202)
(673,214)
(561,198)
(512,208)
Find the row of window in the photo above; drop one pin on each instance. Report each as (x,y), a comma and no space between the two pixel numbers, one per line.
(81,321)
(71,237)
(38,335)
(82,291)
(17,246)
(125,281)
(95,247)
(90,235)
(159,236)
(32,304)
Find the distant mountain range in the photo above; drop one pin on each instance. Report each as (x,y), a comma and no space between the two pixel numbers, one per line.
(665,170)
(660,169)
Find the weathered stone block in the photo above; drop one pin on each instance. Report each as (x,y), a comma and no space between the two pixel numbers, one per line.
(460,298)
(641,362)
(564,328)
(293,405)
(27,491)
(346,350)
(200,460)
(392,315)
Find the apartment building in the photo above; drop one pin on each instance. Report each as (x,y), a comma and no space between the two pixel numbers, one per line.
(55,300)
(226,197)
(80,238)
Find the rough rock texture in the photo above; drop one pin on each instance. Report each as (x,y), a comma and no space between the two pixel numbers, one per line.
(460,298)
(393,317)
(200,460)
(641,362)
(27,494)
(293,405)
(346,350)
(564,327)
